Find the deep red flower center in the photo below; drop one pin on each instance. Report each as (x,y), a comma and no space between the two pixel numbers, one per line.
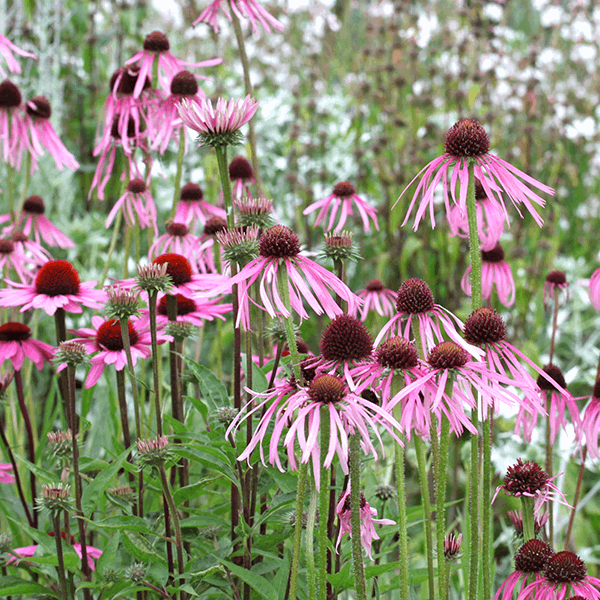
(156,41)
(6,246)
(214,225)
(484,326)
(35,205)
(18,236)
(555,373)
(448,355)
(279,241)
(41,107)
(374,286)
(10,96)
(178,267)
(240,168)
(346,338)
(565,567)
(556,277)
(327,388)
(177,229)
(343,189)
(184,84)
(596,390)
(136,186)
(397,353)
(191,191)
(185,306)
(57,278)
(496,254)
(128,81)
(414,296)
(532,556)
(14,332)
(467,138)
(109,335)
(524,477)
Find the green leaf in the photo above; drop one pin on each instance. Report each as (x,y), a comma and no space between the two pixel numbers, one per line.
(212,388)
(256,582)
(259,379)
(109,554)
(126,523)
(139,547)
(191,491)
(14,585)
(95,490)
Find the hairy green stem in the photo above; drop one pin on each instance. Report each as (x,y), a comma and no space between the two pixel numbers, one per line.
(487,430)
(310,542)
(440,475)
(290,334)
(302,477)
(180,154)
(474,246)
(357,557)
(325,478)
(111,248)
(152,297)
(221,152)
(527,508)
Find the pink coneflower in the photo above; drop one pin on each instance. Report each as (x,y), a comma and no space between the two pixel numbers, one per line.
(7,48)
(490,219)
(529,480)
(42,134)
(137,206)
(452,546)
(530,560)
(185,281)
(349,413)
(104,337)
(192,208)
(13,126)
(280,245)
(166,122)
(256,212)
(193,311)
(467,141)
(57,285)
(415,301)
(12,257)
(224,119)
(397,357)
(5,475)
(594,289)
(241,175)
(16,344)
(344,344)
(591,422)
(40,227)
(516,519)
(31,248)
(495,271)
(156,46)
(242,8)
(564,573)
(377,298)
(555,398)
(368,533)
(179,240)
(343,196)
(556,281)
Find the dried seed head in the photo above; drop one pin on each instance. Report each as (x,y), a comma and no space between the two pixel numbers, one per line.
(346,338)
(467,138)
(448,355)
(240,168)
(57,278)
(343,189)
(556,277)
(555,373)
(10,96)
(136,186)
(178,267)
(374,286)
(191,192)
(414,296)
(397,353)
(565,567)
(156,41)
(14,332)
(484,326)
(39,107)
(214,225)
(524,478)
(280,242)
(495,255)
(34,205)
(533,556)
(184,84)
(326,389)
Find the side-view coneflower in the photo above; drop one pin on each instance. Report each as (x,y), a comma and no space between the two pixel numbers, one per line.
(556,282)
(57,285)
(242,176)
(137,206)
(594,289)
(7,49)
(468,141)
(192,208)
(341,199)
(307,281)
(12,257)
(377,298)
(591,422)
(157,47)
(5,473)
(495,271)
(16,344)
(35,223)
(30,248)
(251,9)
(13,126)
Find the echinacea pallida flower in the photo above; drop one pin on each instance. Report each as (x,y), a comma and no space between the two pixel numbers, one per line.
(377,299)
(466,141)
(7,48)
(5,475)
(242,8)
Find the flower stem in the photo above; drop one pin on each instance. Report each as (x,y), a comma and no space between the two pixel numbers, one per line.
(180,154)
(30,439)
(26,181)
(397,385)
(325,479)
(290,334)
(221,152)
(440,510)
(111,248)
(302,477)
(474,247)
(527,507)
(155,359)
(176,525)
(357,558)
(310,543)
(576,498)
(124,419)
(487,430)
(59,554)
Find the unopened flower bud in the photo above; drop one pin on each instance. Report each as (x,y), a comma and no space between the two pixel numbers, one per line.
(122,304)
(60,443)
(154,278)
(225,414)
(71,353)
(339,246)
(136,573)
(180,330)
(239,244)
(153,451)
(384,492)
(55,498)
(255,211)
